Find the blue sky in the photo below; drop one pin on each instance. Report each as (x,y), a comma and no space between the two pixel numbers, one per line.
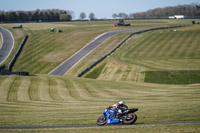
(101,8)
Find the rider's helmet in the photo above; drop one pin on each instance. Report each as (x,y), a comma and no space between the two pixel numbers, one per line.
(121,103)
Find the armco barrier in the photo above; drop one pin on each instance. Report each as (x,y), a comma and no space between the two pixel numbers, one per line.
(7,72)
(2,67)
(119,45)
(11,64)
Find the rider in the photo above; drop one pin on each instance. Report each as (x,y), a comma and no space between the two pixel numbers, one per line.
(120,106)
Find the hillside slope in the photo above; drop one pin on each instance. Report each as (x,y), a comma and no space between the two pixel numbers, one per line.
(61,100)
(172,49)
(45,50)
(45,100)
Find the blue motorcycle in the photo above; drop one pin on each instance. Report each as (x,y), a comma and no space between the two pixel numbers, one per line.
(113,117)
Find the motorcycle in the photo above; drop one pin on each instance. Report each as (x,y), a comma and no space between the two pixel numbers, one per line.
(113,117)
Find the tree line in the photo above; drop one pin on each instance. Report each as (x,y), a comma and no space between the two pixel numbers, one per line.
(190,11)
(37,15)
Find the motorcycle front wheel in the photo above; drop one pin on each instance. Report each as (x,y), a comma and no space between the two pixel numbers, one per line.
(130,119)
(102,120)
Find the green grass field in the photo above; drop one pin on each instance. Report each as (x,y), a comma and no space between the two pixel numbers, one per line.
(56,100)
(163,50)
(45,50)
(45,100)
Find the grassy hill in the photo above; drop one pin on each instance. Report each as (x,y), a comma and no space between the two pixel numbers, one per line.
(163,50)
(62,100)
(42,100)
(45,50)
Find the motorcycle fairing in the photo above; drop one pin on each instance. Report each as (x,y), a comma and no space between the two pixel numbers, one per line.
(109,114)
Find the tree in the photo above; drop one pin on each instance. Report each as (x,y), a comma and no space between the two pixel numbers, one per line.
(21,16)
(92,16)
(71,13)
(29,16)
(2,17)
(115,16)
(13,16)
(121,15)
(131,16)
(82,16)
(40,16)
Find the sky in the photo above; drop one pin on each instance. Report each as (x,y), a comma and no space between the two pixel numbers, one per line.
(101,8)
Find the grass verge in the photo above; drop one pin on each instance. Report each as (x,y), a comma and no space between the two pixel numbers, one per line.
(176,128)
(95,73)
(172,77)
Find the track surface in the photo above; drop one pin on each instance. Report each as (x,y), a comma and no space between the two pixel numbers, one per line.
(7,44)
(73,126)
(78,56)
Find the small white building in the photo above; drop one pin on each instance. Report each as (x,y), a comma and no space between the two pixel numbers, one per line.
(179,16)
(171,17)
(176,17)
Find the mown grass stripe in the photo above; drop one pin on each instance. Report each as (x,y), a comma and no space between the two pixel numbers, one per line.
(4,88)
(138,50)
(193,51)
(63,91)
(43,89)
(33,90)
(39,67)
(165,44)
(33,58)
(173,52)
(53,89)
(37,50)
(23,94)
(37,47)
(12,93)
(152,46)
(185,45)
(169,65)
(72,90)
(39,37)
(197,45)
(166,52)
(47,67)
(96,90)
(83,90)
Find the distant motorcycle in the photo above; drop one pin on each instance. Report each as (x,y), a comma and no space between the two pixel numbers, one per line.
(113,117)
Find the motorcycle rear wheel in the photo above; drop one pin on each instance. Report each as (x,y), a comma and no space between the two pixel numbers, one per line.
(131,119)
(102,120)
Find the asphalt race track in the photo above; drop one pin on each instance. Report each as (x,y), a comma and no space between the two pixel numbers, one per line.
(78,56)
(76,126)
(7,44)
